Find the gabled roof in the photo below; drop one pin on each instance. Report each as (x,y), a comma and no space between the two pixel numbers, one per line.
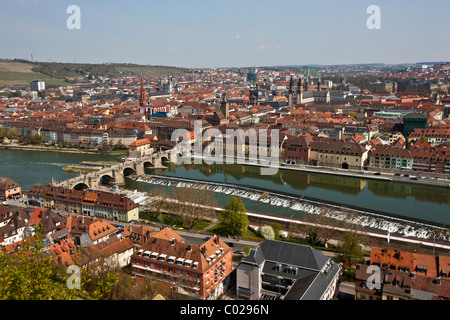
(7,183)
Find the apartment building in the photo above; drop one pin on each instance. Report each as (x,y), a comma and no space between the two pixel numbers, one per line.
(388,157)
(94,204)
(277,270)
(196,270)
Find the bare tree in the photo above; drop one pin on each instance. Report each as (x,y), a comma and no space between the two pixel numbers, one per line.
(351,223)
(324,225)
(160,201)
(192,204)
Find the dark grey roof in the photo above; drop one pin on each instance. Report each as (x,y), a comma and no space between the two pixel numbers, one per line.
(299,288)
(277,257)
(288,253)
(317,286)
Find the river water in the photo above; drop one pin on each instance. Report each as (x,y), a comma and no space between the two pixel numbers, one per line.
(409,201)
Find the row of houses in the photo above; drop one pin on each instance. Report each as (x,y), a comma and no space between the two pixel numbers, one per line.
(337,153)
(393,274)
(90,203)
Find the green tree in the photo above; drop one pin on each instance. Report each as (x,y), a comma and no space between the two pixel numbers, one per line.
(313,238)
(29,273)
(276,228)
(349,250)
(234,217)
(12,133)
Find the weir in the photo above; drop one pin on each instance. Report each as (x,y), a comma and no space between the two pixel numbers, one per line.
(369,219)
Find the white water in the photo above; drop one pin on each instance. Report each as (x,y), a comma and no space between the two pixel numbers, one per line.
(383,223)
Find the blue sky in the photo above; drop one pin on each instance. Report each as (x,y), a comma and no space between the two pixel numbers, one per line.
(232,33)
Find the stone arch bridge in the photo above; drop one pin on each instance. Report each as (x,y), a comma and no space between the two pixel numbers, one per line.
(116,174)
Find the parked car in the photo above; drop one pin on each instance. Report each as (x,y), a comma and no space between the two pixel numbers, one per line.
(230,244)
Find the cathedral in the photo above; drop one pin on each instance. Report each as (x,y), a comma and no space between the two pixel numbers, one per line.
(168,85)
(304,93)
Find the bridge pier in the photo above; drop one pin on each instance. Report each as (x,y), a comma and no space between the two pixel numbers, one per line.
(118,177)
(139,169)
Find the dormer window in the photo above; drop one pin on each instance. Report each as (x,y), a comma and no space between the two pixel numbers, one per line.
(187,263)
(162,257)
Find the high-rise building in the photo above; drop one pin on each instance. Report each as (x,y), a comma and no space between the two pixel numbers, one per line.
(37,85)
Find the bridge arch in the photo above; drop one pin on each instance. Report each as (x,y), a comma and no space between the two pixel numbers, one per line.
(148,164)
(128,171)
(106,179)
(165,159)
(81,186)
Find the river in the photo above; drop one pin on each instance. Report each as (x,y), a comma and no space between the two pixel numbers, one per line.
(410,201)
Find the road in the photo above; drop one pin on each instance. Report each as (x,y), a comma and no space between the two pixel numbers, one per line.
(347,290)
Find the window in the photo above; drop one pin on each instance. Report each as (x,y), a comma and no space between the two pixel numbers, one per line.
(243,293)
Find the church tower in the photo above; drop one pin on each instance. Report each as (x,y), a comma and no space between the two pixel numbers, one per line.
(142,97)
(225,107)
(291,92)
(301,83)
(307,82)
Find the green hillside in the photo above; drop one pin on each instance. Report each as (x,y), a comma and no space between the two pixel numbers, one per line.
(20,72)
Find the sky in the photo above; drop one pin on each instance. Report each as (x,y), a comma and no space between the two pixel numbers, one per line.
(231,33)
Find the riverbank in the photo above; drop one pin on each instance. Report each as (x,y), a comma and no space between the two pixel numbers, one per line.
(403,176)
(58,149)
(412,177)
